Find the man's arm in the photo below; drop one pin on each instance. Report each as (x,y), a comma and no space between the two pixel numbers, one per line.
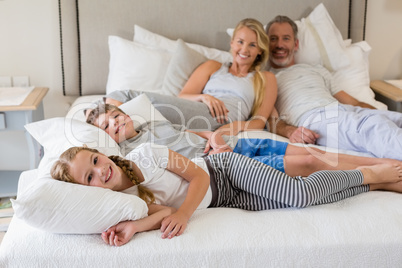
(294,134)
(345,98)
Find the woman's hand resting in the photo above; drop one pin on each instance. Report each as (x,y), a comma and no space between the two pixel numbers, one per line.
(216,107)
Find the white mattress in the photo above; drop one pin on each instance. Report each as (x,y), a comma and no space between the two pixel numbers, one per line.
(364,230)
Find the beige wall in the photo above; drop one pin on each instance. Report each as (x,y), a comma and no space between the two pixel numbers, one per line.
(383,33)
(29,45)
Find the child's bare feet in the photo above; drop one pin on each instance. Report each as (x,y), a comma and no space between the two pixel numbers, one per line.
(381,173)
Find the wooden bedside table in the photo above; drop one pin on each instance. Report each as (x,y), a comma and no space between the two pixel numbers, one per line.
(388,94)
(19,150)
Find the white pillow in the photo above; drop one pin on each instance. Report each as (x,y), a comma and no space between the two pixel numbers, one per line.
(141,110)
(135,66)
(355,79)
(318,33)
(154,40)
(184,61)
(62,207)
(58,134)
(82,103)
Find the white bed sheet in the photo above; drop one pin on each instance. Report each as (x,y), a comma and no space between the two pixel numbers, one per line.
(364,230)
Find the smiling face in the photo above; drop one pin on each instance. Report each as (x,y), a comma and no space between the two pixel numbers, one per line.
(244,46)
(282,45)
(95,169)
(118,125)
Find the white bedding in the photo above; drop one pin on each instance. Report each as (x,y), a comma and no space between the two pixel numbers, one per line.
(362,231)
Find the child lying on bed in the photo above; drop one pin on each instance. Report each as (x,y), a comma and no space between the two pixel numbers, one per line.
(291,159)
(219,180)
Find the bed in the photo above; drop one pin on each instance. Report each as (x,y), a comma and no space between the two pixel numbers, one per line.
(57,224)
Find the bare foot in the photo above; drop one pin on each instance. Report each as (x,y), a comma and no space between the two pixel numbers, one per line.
(381,173)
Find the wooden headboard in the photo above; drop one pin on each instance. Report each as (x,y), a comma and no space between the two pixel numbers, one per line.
(86,24)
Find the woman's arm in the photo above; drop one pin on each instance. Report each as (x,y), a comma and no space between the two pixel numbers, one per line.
(192,90)
(259,120)
(122,232)
(198,179)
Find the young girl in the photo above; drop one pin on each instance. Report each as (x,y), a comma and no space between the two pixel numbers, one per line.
(220,180)
(288,158)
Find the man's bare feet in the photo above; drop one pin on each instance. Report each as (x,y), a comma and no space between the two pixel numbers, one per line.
(381,173)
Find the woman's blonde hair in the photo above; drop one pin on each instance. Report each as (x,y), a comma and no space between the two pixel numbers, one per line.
(261,60)
(61,170)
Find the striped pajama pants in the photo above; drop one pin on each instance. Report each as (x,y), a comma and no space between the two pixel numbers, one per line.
(241,182)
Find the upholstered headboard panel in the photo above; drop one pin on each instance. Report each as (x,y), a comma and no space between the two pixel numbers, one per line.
(86,24)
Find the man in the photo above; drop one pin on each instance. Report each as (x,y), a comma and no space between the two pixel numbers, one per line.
(309,98)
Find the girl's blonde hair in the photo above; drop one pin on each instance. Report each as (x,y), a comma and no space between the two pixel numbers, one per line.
(61,170)
(261,60)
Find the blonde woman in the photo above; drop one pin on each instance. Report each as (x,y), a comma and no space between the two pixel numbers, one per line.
(240,90)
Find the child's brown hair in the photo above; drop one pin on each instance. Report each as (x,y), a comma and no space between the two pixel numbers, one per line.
(101,109)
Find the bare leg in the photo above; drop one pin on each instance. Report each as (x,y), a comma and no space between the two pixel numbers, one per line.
(300,161)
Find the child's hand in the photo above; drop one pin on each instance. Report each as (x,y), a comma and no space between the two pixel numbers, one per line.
(216,144)
(119,234)
(207,147)
(174,225)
